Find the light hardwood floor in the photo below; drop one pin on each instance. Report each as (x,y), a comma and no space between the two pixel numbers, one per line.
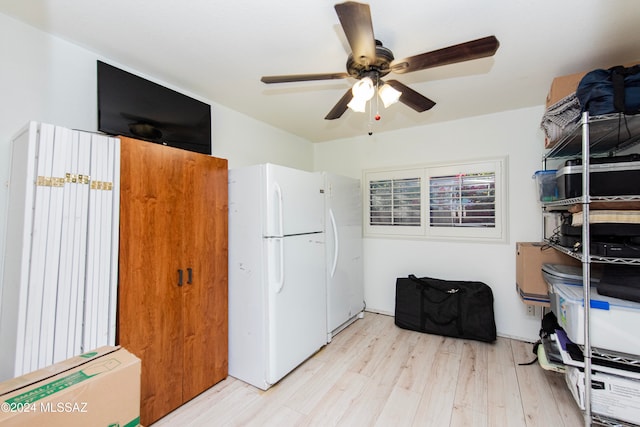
(376,374)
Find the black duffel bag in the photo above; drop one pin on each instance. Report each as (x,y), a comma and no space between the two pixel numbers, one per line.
(616,90)
(460,309)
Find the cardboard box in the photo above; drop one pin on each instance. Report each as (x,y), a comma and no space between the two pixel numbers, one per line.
(530,284)
(611,395)
(564,86)
(561,87)
(99,388)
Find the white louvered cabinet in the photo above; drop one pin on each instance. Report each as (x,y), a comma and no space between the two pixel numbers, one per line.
(60,272)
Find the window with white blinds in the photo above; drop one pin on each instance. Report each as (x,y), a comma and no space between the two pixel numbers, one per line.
(464,200)
(395,202)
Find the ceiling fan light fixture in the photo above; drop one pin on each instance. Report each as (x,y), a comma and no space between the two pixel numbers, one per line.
(389,95)
(363,89)
(358,105)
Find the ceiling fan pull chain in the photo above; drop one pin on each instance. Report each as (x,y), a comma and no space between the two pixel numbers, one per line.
(370,123)
(377,96)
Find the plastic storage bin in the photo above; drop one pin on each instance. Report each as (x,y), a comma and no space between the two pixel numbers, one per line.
(559,274)
(606,179)
(547,185)
(614,322)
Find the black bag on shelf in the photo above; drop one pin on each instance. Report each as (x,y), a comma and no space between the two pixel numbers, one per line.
(616,90)
(461,309)
(620,281)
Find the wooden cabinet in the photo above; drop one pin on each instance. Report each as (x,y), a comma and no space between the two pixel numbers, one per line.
(172,310)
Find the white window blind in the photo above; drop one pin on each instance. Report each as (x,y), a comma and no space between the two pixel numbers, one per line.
(454,201)
(463,200)
(395,202)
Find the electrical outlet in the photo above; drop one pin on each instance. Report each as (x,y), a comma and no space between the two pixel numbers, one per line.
(531,310)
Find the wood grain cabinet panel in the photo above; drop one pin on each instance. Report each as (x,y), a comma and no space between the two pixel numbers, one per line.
(172,309)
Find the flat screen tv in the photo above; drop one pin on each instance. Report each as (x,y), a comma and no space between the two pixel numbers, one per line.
(131,106)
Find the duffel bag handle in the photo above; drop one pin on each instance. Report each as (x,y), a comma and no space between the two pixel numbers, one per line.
(450,292)
(447,289)
(617,81)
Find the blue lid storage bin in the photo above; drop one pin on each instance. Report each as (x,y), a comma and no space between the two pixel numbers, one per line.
(547,185)
(614,322)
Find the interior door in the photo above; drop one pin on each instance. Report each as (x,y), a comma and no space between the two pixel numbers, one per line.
(150,297)
(205,310)
(296,301)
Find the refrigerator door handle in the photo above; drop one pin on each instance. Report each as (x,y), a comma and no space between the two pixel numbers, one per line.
(278,189)
(280,282)
(336,246)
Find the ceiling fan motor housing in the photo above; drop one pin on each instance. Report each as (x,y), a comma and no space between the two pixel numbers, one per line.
(362,67)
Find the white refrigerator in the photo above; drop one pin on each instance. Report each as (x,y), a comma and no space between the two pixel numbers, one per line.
(344,267)
(277,293)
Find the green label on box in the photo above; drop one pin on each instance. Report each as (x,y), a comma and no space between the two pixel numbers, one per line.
(133,423)
(49,389)
(89,355)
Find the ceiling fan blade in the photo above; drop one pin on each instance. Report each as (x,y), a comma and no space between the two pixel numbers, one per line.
(338,110)
(411,98)
(355,19)
(474,49)
(303,77)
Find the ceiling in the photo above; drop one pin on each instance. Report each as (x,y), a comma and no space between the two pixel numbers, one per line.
(220,49)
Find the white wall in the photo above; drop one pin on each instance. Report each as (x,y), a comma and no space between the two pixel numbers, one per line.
(46,79)
(514,134)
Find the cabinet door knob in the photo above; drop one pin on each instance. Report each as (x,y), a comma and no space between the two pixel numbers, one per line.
(179,277)
(189,275)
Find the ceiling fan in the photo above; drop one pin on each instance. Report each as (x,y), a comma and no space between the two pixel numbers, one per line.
(370,59)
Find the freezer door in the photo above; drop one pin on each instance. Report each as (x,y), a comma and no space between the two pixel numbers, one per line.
(296,301)
(345,282)
(293,201)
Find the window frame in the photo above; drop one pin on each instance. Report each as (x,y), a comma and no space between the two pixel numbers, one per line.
(498,233)
(395,174)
